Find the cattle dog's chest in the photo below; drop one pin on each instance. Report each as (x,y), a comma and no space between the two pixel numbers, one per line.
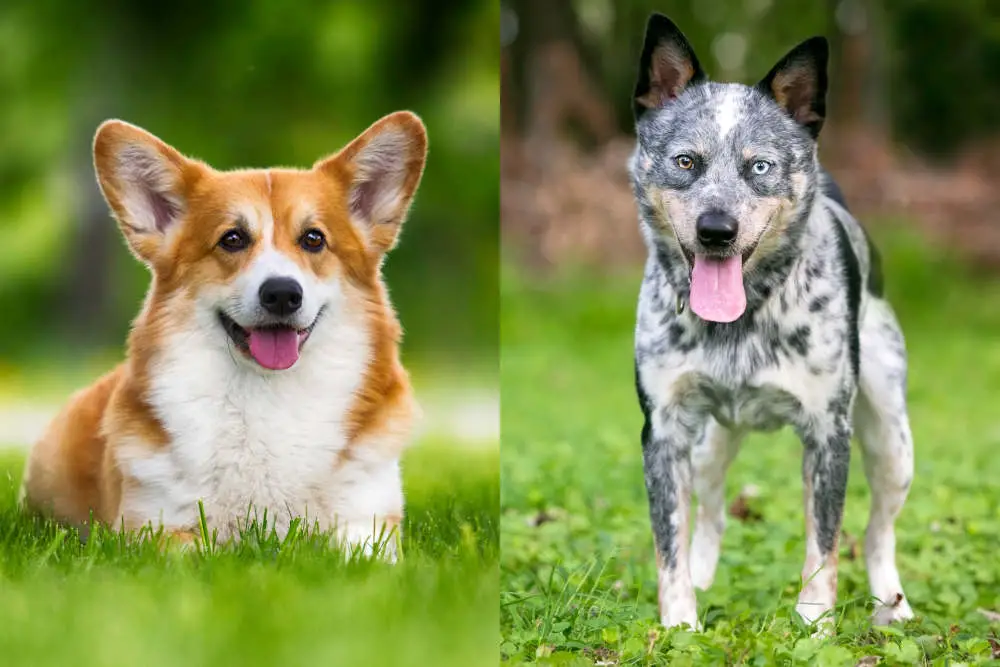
(753,404)
(736,395)
(760,374)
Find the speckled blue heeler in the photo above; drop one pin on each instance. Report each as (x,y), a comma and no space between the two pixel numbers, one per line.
(761,307)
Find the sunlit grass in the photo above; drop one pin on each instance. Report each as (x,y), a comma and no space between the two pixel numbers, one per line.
(119,600)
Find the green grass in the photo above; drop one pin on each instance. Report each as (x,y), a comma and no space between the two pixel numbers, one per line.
(577,570)
(117,601)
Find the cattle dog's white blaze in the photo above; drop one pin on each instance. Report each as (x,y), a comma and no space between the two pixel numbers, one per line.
(727,115)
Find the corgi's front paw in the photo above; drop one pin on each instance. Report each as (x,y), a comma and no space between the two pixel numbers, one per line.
(179,542)
(381,542)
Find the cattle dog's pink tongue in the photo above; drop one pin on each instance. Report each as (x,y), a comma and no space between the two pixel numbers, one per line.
(717,288)
(276,349)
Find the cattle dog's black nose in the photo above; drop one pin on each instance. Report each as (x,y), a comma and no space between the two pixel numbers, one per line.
(281,296)
(716,229)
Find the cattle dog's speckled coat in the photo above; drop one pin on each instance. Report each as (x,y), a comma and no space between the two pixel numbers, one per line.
(817,348)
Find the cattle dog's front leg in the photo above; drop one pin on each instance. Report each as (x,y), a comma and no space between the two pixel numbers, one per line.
(667,437)
(710,460)
(827,441)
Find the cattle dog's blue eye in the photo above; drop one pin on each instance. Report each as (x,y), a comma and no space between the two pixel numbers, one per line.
(684,162)
(760,167)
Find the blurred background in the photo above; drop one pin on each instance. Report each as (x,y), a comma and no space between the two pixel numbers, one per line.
(913,122)
(254,83)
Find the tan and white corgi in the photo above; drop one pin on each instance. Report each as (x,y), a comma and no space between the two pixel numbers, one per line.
(263,371)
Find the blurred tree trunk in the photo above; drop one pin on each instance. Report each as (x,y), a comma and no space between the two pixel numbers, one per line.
(847,56)
(858,87)
(858,146)
(876,93)
(88,287)
(555,84)
(508,100)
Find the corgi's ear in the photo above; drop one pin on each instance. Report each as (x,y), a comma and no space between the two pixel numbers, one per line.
(380,171)
(144,181)
(667,66)
(798,83)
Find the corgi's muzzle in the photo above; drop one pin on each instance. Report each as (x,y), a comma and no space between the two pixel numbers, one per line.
(273,345)
(281,296)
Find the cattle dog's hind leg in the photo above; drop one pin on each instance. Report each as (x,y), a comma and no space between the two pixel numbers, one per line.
(883,430)
(710,460)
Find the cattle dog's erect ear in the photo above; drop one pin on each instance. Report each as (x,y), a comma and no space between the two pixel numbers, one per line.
(668,65)
(798,83)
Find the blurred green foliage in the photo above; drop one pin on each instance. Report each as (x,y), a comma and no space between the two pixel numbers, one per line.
(947,89)
(254,83)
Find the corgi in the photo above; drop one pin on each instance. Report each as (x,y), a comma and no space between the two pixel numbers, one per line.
(263,372)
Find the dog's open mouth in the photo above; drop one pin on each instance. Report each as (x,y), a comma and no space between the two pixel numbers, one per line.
(717,293)
(747,254)
(274,346)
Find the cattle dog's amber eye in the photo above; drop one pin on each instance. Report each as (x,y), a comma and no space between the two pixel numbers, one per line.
(234,240)
(313,241)
(684,162)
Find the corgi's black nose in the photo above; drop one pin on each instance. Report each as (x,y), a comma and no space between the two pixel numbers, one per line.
(281,296)
(716,229)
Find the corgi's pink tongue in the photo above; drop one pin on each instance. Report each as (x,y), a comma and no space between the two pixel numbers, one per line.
(717,288)
(276,349)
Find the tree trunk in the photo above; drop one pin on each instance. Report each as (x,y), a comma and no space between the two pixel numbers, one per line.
(555,84)
(857,147)
(88,287)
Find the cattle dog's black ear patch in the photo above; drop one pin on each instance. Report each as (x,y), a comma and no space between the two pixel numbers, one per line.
(798,83)
(668,65)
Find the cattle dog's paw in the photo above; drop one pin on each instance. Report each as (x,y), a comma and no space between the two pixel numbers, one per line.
(892,612)
(680,615)
(690,623)
(819,615)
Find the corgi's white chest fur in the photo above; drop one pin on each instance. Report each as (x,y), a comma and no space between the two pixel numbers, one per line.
(242,437)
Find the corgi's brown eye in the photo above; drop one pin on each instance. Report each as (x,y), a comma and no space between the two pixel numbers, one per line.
(313,241)
(684,161)
(234,240)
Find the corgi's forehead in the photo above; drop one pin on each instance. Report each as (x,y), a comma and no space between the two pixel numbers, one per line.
(266,201)
(300,195)
(237,196)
